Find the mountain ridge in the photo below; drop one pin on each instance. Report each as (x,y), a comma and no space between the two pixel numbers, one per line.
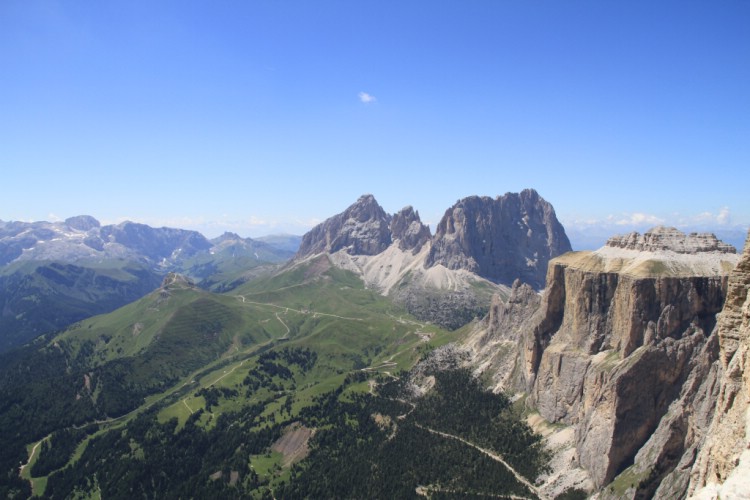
(501,239)
(53,274)
(448,277)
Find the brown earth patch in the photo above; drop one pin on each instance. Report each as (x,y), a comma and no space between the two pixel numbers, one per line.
(293,444)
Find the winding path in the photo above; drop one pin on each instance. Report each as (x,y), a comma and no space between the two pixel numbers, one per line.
(314,313)
(288,331)
(424,491)
(186,406)
(31,457)
(490,454)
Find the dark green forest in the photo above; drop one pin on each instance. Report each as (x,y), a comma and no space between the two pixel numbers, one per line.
(366,446)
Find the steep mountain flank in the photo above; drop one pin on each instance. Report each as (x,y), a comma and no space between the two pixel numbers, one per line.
(408,230)
(722,469)
(361,229)
(41,297)
(502,239)
(481,247)
(618,343)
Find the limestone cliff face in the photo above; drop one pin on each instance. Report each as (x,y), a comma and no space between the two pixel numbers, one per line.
(503,239)
(620,356)
(501,336)
(361,229)
(722,469)
(619,346)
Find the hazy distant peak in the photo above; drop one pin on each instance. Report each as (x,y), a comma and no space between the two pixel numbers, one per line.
(82,222)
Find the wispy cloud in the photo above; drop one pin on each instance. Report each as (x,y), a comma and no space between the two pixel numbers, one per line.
(724,216)
(637,219)
(366,98)
(642,220)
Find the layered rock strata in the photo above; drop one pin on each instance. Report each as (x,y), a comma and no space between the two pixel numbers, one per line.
(722,469)
(618,346)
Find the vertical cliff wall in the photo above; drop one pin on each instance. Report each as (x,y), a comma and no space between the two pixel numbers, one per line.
(621,346)
(722,469)
(621,354)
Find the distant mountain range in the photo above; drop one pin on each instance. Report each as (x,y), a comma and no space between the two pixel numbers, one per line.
(53,274)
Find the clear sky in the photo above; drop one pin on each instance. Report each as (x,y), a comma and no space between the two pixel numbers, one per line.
(269,116)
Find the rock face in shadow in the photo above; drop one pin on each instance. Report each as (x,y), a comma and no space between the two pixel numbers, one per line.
(622,345)
(503,239)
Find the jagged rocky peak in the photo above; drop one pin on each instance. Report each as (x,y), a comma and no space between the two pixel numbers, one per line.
(663,238)
(502,239)
(407,228)
(361,229)
(82,223)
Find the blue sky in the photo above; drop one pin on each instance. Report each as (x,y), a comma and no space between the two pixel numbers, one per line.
(268,116)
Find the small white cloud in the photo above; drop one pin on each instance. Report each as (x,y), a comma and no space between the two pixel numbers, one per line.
(724,216)
(638,219)
(366,98)
(708,219)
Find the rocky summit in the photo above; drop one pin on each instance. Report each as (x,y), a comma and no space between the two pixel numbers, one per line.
(361,229)
(83,237)
(503,239)
(481,246)
(408,230)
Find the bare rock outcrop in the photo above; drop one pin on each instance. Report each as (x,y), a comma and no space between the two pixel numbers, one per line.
(482,246)
(722,469)
(620,356)
(503,239)
(671,239)
(620,347)
(408,230)
(499,338)
(361,229)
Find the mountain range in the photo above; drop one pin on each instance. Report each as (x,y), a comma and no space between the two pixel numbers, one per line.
(356,365)
(54,274)
(480,247)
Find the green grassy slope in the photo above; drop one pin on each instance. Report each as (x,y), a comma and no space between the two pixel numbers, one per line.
(252,360)
(44,297)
